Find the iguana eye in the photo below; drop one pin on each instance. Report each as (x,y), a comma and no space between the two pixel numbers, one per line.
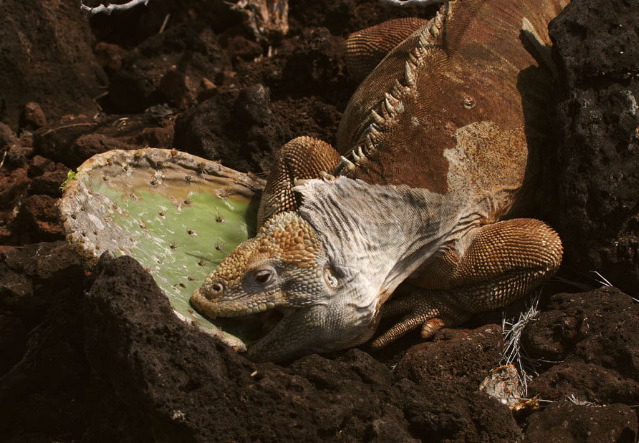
(329,278)
(263,276)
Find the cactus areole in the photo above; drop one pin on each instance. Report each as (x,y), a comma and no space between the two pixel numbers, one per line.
(177,214)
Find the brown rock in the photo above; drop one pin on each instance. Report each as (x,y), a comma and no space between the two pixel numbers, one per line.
(592,178)
(161,137)
(38,219)
(72,142)
(13,338)
(109,56)
(240,46)
(32,117)
(13,285)
(86,146)
(47,58)
(7,137)
(566,421)
(597,327)
(589,344)
(178,88)
(17,155)
(440,411)
(43,390)
(236,126)
(166,68)
(458,356)
(30,276)
(50,261)
(13,185)
(552,336)
(586,382)
(160,375)
(39,165)
(50,182)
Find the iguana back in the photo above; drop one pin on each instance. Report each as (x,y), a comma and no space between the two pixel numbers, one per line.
(442,111)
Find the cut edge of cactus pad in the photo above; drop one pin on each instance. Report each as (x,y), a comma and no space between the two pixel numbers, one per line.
(177,214)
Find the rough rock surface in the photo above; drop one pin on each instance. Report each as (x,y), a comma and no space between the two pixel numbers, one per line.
(244,123)
(454,355)
(74,140)
(46,57)
(595,195)
(172,67)
(588,423)
(98,355)
(594,340)
(236,125)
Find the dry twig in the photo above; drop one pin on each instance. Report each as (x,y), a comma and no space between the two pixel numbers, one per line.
(512,337)
(413,2)
(109,8)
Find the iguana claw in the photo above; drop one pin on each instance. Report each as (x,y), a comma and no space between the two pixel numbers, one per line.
(345,165)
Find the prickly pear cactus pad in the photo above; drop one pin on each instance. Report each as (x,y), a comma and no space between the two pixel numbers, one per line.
(177,214)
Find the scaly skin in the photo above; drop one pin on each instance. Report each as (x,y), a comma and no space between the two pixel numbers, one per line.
(439,145)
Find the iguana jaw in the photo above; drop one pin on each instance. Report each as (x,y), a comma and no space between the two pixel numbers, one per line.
(329,322)
(318,328)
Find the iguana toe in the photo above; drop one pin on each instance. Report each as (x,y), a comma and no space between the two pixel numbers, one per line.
(429,309)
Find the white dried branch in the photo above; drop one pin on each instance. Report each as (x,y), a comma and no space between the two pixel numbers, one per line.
(413,2)
(110,7)
(603,281)
(512,337)
(4,155)
(572,398)
(583,286)
(164,23)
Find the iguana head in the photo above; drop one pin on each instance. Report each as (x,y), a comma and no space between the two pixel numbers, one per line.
(328,267)
(285,269)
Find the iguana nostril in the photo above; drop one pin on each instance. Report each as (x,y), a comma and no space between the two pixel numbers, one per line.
(215,290)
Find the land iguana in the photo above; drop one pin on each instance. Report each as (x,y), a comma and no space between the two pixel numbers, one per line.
(436,155)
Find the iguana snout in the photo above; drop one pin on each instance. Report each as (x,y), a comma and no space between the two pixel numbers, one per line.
(284,268)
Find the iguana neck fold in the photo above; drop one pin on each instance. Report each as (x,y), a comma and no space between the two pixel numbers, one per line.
(380,234)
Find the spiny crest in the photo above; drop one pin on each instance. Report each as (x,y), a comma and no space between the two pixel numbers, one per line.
(387,112)
(429,36)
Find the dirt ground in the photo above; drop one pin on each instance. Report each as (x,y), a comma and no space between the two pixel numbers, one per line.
(98,355)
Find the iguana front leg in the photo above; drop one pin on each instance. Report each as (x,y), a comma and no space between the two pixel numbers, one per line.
(300,159)
(501,263)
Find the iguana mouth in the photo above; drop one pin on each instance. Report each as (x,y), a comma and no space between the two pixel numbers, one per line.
(252,328)
(269,319)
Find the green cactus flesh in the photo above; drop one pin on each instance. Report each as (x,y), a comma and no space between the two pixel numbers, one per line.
(178,215)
